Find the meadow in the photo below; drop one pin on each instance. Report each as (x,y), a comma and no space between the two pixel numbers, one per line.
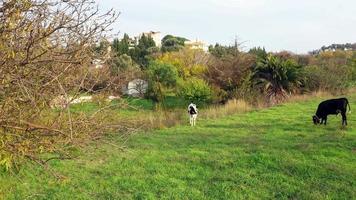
(272,153)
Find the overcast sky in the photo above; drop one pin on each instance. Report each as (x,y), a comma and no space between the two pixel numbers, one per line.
(294,25)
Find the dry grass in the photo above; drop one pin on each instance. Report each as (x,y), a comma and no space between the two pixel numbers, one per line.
(231,107)
(165,119)
(304,97)
(319,94)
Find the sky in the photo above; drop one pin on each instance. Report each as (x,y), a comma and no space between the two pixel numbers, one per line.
(293,25)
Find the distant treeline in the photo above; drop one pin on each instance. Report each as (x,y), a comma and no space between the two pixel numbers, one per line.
(334,47)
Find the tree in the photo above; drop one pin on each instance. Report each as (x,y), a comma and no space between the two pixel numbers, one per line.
(122,70)
(259,52)
(229,73)
(140,53)
(277,78)
(195,90)
(188,62)
(172,43)
(338,63)
(146,42)
(221,51)
(45,51)
(160,76)
(121,46)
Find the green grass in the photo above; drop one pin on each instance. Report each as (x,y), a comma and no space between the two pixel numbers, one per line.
(134,104)
(275,153)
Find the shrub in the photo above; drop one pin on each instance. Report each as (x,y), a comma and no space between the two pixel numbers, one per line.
(160,76)
(219,95)
(277,78)
(247,91)
(333,71)
(189,62)
(172,43)
(330,77)
(195,90)
(229,72)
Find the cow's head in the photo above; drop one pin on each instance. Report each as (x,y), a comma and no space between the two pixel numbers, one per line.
(316,120)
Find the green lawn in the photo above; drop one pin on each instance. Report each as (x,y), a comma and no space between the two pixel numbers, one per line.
(275,153)
(131,107)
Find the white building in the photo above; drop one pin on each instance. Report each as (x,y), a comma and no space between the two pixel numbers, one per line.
(155,35)
(197,44)
(136,88)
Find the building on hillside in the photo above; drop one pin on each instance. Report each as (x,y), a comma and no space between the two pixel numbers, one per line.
(135,88)
(197,44)
(155,35)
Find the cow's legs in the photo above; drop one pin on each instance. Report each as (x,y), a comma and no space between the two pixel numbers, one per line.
(344,120)
(191,120)
(194,118)
(325,119)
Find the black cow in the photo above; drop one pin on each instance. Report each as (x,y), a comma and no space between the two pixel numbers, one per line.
(331,107)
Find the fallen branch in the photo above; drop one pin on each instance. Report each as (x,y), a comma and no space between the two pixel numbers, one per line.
(32,127)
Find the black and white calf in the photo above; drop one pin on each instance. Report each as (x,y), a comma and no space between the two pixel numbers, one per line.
(331,107)
(193,114)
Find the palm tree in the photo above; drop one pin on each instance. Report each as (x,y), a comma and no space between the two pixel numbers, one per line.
(277,78)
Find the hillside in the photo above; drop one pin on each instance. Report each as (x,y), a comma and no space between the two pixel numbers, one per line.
(265,154)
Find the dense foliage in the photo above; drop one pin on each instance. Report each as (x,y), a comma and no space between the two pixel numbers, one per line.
(195,90)
(277,78)
(172,43)
(256,74)
(161,77)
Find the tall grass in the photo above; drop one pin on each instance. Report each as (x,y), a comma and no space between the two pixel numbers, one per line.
(164,119)
(231,107)
(304,97)
(320,94)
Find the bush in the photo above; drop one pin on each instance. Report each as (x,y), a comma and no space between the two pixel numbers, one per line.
(189,62)
(330,77)
(247,91)
(219,95)
(160,77)
(333,71)
(195,90)
(229,72)
(121,63)
(277,78)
